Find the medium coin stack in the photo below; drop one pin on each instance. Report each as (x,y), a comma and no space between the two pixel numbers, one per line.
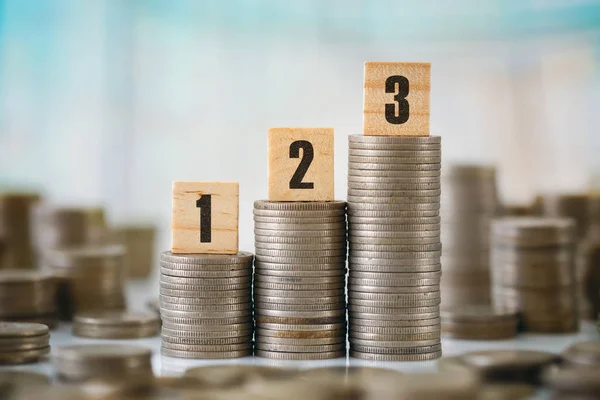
(116,325)
(395,248)
(22,343)
(104,362)
(206,305)
(300,278)
(533,271)
(469,203)
(15,213)
(27,296)
(479,323)
(139,244)
(89,278)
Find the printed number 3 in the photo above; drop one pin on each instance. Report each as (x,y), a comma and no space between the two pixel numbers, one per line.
(308,153)
(390,109)
(204,204)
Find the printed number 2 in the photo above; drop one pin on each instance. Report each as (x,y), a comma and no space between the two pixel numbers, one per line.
(400,97)
(308,154)
(204,204)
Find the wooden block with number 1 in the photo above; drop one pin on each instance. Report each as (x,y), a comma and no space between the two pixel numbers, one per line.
(396,99)
(205,217)
(301,164)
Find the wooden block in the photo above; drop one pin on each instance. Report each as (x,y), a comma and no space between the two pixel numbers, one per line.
(396,99)
(205,217)
(301,164)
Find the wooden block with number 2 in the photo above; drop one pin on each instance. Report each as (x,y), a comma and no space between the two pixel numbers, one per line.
(301,164)
(396,99)
(205,217)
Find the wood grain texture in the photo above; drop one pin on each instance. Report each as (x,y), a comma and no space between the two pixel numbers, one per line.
(376,98)
(185,226)
(282,167)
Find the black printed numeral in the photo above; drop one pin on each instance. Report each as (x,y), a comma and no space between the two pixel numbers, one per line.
(204,204)
(391,115)
(308,154)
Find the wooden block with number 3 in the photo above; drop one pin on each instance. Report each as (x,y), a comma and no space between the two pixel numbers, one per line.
(396,99)
(205,217)
(301,164)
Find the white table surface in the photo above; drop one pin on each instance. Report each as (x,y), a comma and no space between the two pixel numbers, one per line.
(139,293)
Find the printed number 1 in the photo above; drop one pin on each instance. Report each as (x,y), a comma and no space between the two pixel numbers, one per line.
(403,109)
(204,204)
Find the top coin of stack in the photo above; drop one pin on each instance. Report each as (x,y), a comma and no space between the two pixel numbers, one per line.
(395,248)
(300,277)
(27,296)
(533,271)
(206,305)
(90,278)
(23,342)
(15,212)
(469,202)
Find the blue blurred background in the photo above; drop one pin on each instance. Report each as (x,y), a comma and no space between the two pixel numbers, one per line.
(108,101)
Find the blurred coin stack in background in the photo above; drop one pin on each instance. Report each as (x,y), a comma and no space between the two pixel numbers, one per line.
(206,305)
(469,203)
(22,343)
(395,249)
(479,322)
(90,278)
(27,296)
(139,246)
(300,278)
(577,206)
(588,264)
(61,227)
(533,271)
(15,221)
(116,325)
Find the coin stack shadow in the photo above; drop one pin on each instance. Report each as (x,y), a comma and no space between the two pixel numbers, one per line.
(300,278)
(89,278)
(15,228)
(395,248)
(206,305)
(533,271)
(27,296)
(469,203)
(22,343)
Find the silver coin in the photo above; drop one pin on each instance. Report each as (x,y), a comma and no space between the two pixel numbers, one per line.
(393,234)
(415,195)
(387,207)
(300,349)
(299,214)
(204,293)
(300,247)
(395,200)
(396,248)
(380,321)
(299,234)
(208,307)
(298,293)
(299,206)
(339,265)
(204,348)
(300,300)
(394,153)
(170,321)
(398,262)
(299,221)
(298,280)
(206,355)
(394,268)
(219,341)
(393,214)
(394,330)
(398,289)
(411,255)
(395,307)
(395,221)
(354,240)
(395,187)
(389,173)
(299,287)
(175,280)
(394,140)
(354,164)
(393,180)
(301,342)
(405,229)
(300,253)
(241,257)
(381,315)
(305,260)
(226,331)
(299,307)
(301,327)
(402,299)
(332,226)
(378,159)
(261,319)
(233,299)
(305,274)
(395,343)
(394,277)
(303,335)
(205,274)
(396,357)
(166,313)
(186,267)
(395,147)
(396,350)
(337,240)
(278,355)
(301,314)
(196,288)
(392,287)
(395,337)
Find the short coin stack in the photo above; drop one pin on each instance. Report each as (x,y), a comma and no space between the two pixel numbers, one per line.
(469,203)
(115,325)
(479,323)
(27,296)
(533,271)
(299,281)
(395,248)
(206,305)
(89,278)
(22,343)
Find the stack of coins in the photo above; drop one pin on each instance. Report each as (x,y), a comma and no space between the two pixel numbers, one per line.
(27,296)
(24,342)
(533,271)
(60,227)
(479,323)
(588,264)
(300,278)
(115,325)
(395,248)
(206,305)
(582,354)
(89,278)
(139,244)
(104,362)
(469,203)
(572,205)
(15,213)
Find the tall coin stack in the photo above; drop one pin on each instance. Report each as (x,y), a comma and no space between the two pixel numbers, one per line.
(469,203)
(299,281)
(395,248)
(89,278)
(533,271)
(206,305)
